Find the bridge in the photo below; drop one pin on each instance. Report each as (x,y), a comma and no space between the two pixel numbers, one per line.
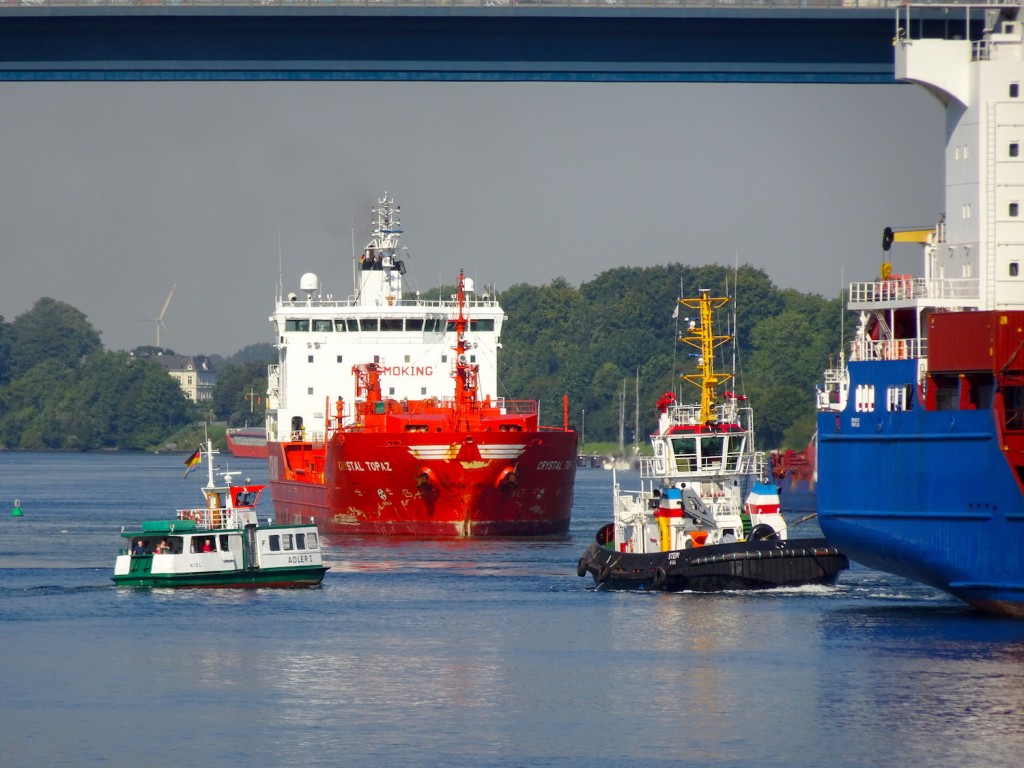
(779,41)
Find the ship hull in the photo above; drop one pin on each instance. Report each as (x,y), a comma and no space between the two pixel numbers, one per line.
(247,444)
(927,495)
(480,484)
(256,579)
(767,564)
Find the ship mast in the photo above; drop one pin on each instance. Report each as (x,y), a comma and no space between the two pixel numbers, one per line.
(703,338)
(465,374)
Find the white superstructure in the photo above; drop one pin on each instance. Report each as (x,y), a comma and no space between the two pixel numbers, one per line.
(319,338)
(974,256)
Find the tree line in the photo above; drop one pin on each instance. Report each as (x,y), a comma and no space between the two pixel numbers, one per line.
(608,344)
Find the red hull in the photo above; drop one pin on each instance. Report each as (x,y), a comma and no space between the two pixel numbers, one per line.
(247,443)
(475,484)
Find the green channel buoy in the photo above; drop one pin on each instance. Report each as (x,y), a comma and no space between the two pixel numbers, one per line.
(16,512)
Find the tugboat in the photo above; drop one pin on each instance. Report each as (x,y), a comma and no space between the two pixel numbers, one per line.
(220,545)
(705,518)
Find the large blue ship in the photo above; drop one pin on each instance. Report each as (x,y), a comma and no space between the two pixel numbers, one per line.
(921,432)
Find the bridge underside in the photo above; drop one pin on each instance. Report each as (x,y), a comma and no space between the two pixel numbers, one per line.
(435,44)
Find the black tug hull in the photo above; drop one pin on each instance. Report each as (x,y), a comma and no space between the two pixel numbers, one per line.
(765,564)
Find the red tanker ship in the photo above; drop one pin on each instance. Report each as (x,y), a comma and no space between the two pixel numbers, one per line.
(462,466)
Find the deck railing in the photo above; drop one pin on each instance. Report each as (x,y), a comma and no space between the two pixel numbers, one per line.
(906,288)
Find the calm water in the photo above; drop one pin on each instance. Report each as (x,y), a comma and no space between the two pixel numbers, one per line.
(465,653)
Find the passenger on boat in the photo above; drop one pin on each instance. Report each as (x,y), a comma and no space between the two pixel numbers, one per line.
(208,545)
(162,548)
(139,548)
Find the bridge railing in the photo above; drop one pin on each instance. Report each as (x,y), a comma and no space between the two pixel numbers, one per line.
(607,4)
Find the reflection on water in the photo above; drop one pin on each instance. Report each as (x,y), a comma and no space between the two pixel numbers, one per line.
(470,653)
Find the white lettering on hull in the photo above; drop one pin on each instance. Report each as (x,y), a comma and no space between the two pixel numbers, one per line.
(368,466)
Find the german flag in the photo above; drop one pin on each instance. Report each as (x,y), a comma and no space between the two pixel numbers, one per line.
(191,461)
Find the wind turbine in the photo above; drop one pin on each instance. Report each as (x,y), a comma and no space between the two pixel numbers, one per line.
(160,320)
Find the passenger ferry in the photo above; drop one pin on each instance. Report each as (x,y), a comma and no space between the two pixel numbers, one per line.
(220,545)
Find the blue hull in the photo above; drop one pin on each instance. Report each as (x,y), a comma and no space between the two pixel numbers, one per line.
(928,495)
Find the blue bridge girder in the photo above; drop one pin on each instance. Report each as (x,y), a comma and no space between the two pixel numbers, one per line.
(780,41)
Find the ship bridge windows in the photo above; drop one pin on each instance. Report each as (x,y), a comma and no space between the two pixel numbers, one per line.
(369,324)
(684,452)
(1014,149)
(711,451)
(344,324)
(294,324)
(434,325)
(733,452)
(481,325)
(391,324)
(414,324)
(323,326)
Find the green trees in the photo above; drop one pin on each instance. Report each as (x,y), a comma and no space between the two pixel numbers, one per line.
(59,390)
(607,344)
(597,342)
(240,395)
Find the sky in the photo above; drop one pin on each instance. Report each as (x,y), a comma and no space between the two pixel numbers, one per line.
(112,193)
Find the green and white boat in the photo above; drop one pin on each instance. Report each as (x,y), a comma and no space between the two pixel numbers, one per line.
(220,545)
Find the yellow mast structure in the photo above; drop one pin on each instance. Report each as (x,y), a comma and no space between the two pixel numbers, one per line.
(702,337)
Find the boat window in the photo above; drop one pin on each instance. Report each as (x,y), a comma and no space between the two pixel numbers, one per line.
(224,543)
(296,325)
(414,324)
(300,541)
(311,541)
(734,450)
(481,325)
(326,326)
(368,324)
(275,542)
(1014,149)
(684,450)
(391,324)
(286,541)
(341,325)
(199,544)
(711,451)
